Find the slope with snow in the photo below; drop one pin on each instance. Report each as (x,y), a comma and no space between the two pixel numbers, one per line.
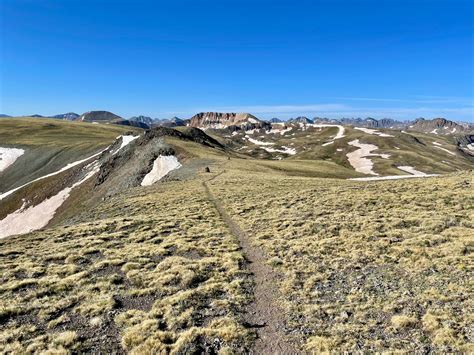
(257,142)
(25,220)
(445,150)
(161,167)
(8,157)
(358,158)
(126,140)
(373,132)
(409,169)
(285,150)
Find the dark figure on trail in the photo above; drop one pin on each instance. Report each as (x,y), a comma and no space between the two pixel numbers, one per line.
(207,170)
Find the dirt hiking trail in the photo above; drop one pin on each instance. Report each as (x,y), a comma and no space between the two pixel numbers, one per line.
(263,313)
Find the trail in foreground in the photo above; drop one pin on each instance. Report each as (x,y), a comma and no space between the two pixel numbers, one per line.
(263,313)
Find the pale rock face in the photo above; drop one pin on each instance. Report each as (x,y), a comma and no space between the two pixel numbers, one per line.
(220,120)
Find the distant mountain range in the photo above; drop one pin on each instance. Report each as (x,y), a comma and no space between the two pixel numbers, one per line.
(246,121)
(368,122)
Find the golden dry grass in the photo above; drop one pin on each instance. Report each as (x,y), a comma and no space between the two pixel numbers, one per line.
(366,266)
(154,270)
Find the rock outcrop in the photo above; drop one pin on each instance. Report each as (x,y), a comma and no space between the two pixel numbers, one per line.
(222,120)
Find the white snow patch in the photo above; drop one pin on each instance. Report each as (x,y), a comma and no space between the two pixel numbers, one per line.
(470,146)
(444,149)
(393,177)
(235,133)
(409,169)
(161,166)
(327,143)
(434,131)
(35,217)
(397,148)
(373,131)
(126,140)
(257,142)
(454,130)
(358,158)
(339,149)
(8,156)
(252,120)
(285,150)
(436,143)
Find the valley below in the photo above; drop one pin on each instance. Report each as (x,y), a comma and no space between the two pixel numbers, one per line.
(229,234)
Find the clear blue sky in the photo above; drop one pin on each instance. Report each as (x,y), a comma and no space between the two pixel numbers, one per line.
(400,58)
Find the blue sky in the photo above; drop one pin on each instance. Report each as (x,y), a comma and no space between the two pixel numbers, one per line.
(332,58)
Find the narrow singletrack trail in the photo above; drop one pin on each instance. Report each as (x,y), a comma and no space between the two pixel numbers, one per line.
(263,313)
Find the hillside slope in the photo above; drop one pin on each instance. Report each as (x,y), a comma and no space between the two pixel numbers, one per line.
(230,253)
(50,145)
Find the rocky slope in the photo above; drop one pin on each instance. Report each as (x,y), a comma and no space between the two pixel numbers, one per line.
(143,119)
(66,116)
(172,122)
(300,119)
(439,126)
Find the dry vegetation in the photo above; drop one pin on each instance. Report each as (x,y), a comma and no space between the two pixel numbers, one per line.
(384,266)
(156,271)
(378,266)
